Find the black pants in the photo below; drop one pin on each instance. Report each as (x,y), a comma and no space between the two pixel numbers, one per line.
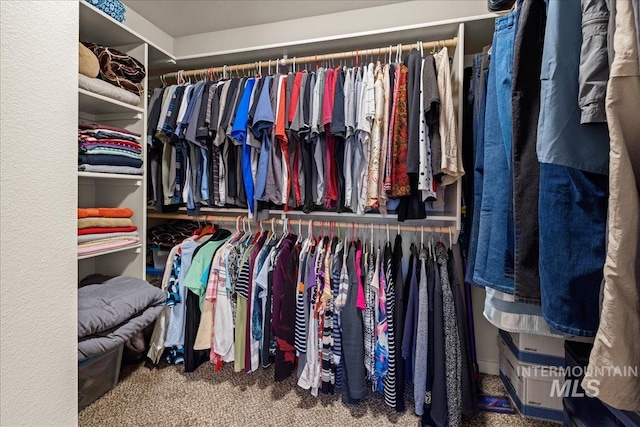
(527,62)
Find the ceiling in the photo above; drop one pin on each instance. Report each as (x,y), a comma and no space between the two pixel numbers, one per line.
(183,18)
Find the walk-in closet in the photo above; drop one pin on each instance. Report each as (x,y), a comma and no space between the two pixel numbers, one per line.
(303,213)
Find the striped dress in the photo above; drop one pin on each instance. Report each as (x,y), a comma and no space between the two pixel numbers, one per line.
(328,370)
(336,271)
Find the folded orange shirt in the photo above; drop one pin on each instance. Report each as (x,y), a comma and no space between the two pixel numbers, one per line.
(105,212)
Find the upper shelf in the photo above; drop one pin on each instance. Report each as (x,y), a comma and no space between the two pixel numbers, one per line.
(98,27)
(93,103)
(134,179)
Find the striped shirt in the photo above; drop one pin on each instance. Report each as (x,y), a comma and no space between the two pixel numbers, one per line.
(336,271)
(326,300)
(302,313)
(390,378)
(242,283)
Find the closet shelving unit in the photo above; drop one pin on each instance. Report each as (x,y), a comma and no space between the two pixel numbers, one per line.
(114,190)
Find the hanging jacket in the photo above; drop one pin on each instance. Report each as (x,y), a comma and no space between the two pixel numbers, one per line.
(594,61)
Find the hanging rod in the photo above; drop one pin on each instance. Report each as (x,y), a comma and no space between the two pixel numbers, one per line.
(318,223)
(429,46)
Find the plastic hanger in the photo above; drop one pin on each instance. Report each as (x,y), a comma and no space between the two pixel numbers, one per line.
(299,239)
(285,231)
(208,229)
(246,228)
(236,234)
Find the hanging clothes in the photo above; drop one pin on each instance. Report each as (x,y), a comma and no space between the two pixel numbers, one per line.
(257,298)
(356,139)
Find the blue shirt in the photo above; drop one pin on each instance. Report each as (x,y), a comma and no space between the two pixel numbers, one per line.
(239,133)
(562,140)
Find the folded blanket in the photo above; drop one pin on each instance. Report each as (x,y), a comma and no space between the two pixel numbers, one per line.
(103,342)
(105,212)
(97,236)
(100,242)
(104,247)
(102,127)
(112,312)
(105,230)
(104,222)
(118,68)
(126,170)
(107,134)
(87,62)
(107,89)
(108,159)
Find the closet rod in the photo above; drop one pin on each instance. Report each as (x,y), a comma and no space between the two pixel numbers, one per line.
(292,222)
(428,46)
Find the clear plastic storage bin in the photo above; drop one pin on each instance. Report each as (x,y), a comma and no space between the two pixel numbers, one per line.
(98,375)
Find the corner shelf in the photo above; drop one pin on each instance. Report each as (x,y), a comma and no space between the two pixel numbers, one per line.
(98,27)
(137,246)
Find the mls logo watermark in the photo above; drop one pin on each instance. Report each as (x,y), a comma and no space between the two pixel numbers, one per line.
(566,381)
(572,388)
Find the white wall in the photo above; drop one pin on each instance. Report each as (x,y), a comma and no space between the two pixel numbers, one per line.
(142,26)
(38,199)
(292,31)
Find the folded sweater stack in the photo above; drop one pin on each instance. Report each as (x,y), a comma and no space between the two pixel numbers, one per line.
(108,149)
(101,229)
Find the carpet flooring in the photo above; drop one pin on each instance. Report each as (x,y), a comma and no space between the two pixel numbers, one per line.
(166,396)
